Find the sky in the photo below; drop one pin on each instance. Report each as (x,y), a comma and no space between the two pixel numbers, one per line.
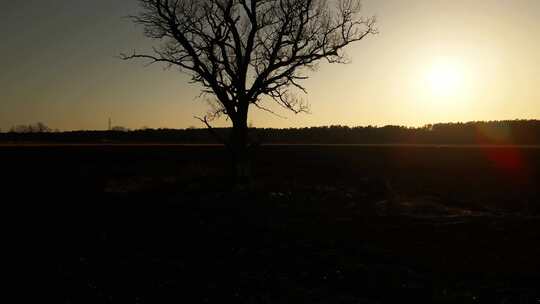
(432,61)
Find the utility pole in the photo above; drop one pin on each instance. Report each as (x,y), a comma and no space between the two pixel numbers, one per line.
(110,124)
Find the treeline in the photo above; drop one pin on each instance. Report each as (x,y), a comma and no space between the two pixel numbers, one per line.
(32,128)
(523,132)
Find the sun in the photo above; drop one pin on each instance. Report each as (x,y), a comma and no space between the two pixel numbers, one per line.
(444,77)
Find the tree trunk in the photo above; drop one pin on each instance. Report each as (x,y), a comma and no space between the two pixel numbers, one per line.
(240,154)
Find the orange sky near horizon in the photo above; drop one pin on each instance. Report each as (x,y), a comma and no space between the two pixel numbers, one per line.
(433,61)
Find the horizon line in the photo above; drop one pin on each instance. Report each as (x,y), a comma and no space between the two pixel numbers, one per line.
(127,129)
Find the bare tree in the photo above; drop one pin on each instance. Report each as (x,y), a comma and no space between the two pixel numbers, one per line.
(119,129)
(42,128)
(31,128)
(241,51)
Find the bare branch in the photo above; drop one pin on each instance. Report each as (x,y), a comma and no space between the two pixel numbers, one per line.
(243,50)
(210,128)
(258,106)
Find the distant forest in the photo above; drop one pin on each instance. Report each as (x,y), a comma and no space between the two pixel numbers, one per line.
(508,132)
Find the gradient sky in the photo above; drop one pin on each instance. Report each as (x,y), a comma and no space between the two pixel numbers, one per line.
(433,61)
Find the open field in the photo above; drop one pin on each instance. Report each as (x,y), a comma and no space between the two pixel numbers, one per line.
(319,224)
(146,144)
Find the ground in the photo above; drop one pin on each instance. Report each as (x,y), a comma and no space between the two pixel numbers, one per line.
(318,224)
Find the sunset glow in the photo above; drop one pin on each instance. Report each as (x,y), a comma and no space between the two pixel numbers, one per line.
(445,78)
(432,61)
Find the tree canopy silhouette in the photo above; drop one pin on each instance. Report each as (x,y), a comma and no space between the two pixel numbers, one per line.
(241,51)
(505,132)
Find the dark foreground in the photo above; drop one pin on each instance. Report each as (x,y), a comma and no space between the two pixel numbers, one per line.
(159,224)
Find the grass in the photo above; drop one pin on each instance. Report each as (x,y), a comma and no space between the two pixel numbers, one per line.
(154,224)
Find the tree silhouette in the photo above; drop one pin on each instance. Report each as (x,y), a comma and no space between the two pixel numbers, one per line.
(241,51)
(31,128)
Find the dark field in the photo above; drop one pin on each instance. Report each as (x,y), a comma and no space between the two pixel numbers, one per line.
(319,224)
